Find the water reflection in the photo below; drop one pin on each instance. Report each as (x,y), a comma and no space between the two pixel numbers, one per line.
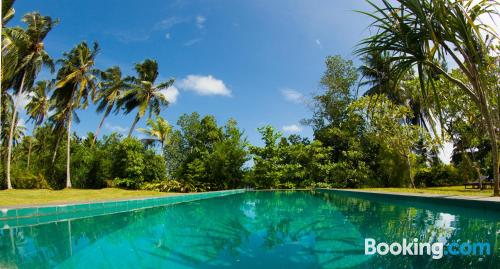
(251,230)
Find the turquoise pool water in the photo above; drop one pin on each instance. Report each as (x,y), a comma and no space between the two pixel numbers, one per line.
(296,229)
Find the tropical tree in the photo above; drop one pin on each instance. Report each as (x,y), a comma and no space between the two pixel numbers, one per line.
(26,49)
(111,88)
(75,84)
(144,94)
(7,14)
(31,143)
(159,131)
(424,34)
(39,104)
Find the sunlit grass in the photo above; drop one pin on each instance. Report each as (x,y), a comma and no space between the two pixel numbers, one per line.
(453,190)
(38,197)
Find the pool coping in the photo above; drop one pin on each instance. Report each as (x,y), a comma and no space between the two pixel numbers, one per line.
(489,202)
(38,214)
(93,201)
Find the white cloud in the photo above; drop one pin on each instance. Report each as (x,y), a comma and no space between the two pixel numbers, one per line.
(292,95)
(293,128)
(23,100)
(115,128)
(204,85)
(167,36)
(318,42)
(171,94)
(200,21)
(191,42)
(169,22)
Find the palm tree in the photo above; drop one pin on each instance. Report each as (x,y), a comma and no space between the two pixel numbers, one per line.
(32,141)
(75,83)
(144,94)
(159,131)
(111,87)
(423,34)
(39,104)
(28,48)
(7,14)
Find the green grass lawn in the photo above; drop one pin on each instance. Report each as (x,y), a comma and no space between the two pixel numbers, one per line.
(38,197)
(453,190)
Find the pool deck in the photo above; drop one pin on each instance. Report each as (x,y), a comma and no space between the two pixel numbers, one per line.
(429,195)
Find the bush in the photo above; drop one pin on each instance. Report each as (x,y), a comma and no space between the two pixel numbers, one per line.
(439,175)
(155,167)
(29,181)
(175,186)
(126,183)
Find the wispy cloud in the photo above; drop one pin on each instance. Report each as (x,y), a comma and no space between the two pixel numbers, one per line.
(171,94)
(200,21)
(292,128)
(115,128)
(292,95)
(204,85)
(318,42)
(167,36)
(191,42)
(169,22)
(23,100)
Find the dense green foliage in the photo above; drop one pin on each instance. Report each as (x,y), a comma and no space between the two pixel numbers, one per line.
(388,137)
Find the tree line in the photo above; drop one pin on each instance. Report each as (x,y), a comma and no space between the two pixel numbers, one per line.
(389,135)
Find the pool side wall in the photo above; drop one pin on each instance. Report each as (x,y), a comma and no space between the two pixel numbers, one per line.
(11,217)
(444,200)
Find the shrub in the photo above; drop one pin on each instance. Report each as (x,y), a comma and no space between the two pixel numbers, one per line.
(29,181)
(439,175)
(175,186)
(126,183)
(155,167)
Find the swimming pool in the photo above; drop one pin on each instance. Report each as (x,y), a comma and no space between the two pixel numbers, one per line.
(263,229)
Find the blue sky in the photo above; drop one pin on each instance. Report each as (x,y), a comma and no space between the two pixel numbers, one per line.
(255,61)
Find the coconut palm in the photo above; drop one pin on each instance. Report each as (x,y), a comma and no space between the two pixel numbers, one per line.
(144,94)
(7,14)
(32,141)
(75,84)
(38,106)
(111,88)
(422,34)
(7,11)
(26,50)
(159,131)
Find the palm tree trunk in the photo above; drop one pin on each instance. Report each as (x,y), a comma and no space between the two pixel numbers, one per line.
(56,148)
(100,125)
(29,155)
(408,163)
(1,93)
(136,120)
(68,150)
(11,132)
(490,126)
(494,152)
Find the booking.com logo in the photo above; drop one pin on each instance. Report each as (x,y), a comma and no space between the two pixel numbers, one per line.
(416,248)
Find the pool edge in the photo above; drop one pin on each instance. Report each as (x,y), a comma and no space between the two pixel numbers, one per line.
(468,201)
(32,215)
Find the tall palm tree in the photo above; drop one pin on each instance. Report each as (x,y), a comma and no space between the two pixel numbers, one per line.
(423,34)
(39,104)
(7,11)
(159,131)
(111,88)
(144,94)
(7,14)
(29,51)
(32,141)
(75,84)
